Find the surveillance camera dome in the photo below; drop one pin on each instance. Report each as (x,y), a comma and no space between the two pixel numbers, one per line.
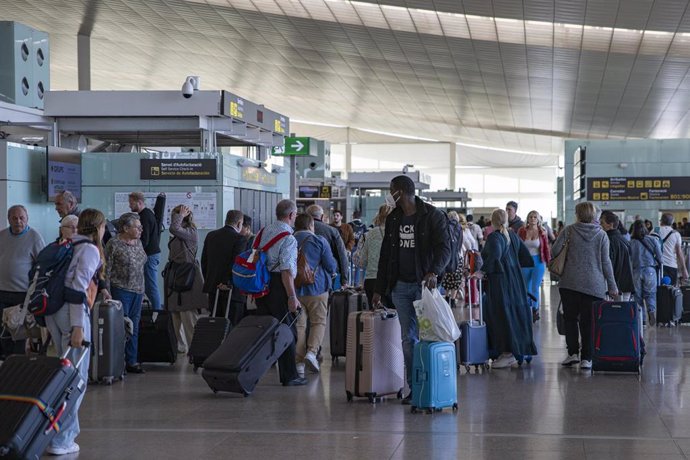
(190,85)
(312,166)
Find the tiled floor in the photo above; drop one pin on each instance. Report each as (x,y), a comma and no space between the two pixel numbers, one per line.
(538,411)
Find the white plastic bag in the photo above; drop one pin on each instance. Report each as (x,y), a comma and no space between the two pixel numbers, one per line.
(435,318)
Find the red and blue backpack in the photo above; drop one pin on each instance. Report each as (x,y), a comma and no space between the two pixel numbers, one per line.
(249,272)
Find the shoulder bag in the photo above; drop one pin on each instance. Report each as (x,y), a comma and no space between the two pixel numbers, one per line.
(557,263)
(305,274)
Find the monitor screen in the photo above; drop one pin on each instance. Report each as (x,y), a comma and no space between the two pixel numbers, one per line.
(308,191)
(64,172)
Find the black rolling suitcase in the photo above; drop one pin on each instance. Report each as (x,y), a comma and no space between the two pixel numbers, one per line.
(669,304)
(245,355)
(209,333)
(37,396)
(342,303)
(157,339)
(108,344)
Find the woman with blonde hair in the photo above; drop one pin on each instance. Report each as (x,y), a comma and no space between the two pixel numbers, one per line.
(370,250)
(71,325)
(587,277)
(182,247)
(536,239)
(507,312)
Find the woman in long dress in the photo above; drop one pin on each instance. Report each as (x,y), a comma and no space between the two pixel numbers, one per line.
(508,314)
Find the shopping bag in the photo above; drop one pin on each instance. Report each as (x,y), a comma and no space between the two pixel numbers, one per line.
(434,318)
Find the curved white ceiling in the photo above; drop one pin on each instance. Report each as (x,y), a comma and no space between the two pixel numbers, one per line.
(508,74)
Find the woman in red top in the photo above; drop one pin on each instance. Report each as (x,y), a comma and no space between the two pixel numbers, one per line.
(536,240)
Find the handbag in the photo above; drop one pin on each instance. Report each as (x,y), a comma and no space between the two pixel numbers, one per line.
(305,274)
(557,264)
(179,276)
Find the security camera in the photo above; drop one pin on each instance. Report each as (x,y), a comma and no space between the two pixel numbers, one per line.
(191,84)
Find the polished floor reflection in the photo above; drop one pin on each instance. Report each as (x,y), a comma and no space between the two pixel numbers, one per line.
(537,411)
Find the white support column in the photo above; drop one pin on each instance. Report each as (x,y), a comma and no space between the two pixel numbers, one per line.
(84,62)
(348,156)
(453,147)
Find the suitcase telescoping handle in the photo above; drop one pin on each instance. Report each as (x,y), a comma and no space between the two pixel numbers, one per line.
(299,312)
(479,300)
(227,306)
(85,349)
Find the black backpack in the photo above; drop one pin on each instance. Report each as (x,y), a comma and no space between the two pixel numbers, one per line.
(455,237)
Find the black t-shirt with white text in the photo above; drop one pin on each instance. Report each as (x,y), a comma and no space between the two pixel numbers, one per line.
(407,267)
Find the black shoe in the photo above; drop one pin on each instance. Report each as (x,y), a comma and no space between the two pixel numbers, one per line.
(652,318)
(407,400)
(296,382)
(136,369)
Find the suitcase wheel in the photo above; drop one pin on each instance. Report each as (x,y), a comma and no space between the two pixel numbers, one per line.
(455,407)
(349,396)
(413,409)
(372,399)
(108,380)
(430,410)
(400,394)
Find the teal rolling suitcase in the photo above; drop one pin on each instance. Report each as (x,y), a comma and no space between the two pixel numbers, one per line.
(434,377)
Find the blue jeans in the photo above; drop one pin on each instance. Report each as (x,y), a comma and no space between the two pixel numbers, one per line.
(131,305)
(60,329)
(533,277)
(403,295)
(151,280)
(645,280)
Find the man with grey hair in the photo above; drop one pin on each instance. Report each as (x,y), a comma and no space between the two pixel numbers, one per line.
(66,204)
(20,246)
(335,242)
(281,259)
(672,257)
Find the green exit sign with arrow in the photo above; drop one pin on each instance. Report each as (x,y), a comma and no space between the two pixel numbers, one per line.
(296,146)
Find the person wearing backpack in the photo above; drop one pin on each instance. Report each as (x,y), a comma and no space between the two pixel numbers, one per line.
(20,245)
(671,249)
(281,260)
(71,324)
(316,263)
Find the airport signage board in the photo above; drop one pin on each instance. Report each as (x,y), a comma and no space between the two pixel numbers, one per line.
(176,169)
(654,188)
(296,147)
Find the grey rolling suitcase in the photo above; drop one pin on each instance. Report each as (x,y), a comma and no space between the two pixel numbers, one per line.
(209,333)
(108,344)
(374,365)
(473,344)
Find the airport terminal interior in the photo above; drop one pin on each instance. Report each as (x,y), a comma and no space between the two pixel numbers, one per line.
(560,126)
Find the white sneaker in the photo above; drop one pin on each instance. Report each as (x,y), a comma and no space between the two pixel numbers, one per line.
(504,361)
(570,360)
(311,362)
(300,369)
(73,449)
(585,364)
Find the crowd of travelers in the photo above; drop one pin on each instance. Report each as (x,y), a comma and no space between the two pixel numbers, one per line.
(410,244)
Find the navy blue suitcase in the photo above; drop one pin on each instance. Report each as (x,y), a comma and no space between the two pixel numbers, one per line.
(616,340)
(434,376)
(473,344)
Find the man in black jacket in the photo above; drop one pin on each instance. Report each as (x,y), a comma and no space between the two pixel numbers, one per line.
(150,239)
(220,249)
(415,249)
(619,252)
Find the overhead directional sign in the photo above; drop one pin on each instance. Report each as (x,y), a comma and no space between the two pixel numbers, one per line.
(296,146)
